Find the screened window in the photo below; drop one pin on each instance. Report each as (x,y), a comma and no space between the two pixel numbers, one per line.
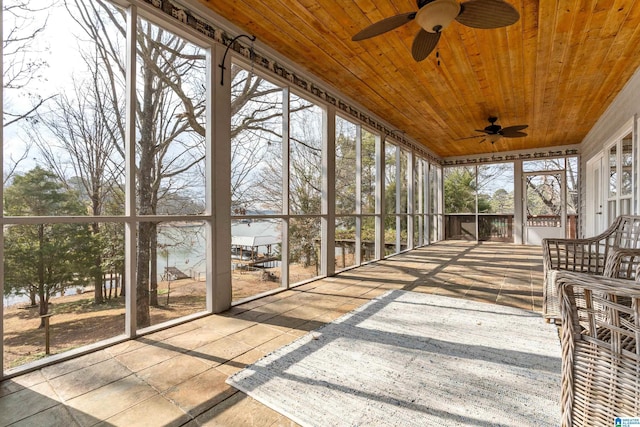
(65,162)
(256,184)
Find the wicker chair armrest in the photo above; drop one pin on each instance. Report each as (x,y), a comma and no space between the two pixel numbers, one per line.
(622,263)
(600,355)
(586,255)
(609,285)
(581,255)
(589,255)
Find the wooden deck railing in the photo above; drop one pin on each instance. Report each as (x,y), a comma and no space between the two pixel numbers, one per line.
(497,227)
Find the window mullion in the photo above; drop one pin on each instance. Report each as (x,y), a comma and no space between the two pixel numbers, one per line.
(286,120)
(130,182)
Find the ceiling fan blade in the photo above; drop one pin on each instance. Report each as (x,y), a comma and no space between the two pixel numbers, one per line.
(487,14)
(513,134)
(470,137)
(514,128)
(423,44)
(383,26)
(481,130)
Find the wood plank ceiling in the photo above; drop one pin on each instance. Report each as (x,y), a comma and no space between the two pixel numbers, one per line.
(556,69)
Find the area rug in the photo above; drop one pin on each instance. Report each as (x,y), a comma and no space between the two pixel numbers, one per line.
(414,359)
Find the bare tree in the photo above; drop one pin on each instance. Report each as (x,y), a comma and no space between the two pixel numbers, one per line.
(12,163)
(170,128)
(256,138)
(78,137)
(545,193)
(171,143)
(169,121)
(23,62)
(74,139)
(85,129)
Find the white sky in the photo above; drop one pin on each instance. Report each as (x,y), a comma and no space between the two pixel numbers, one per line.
(57,45)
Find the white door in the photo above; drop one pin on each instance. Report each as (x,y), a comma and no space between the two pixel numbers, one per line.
(544,206)
(620,179)
(595,214)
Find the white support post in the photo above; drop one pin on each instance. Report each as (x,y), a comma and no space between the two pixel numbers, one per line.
(419,202)
(477,214)
(1,205)
(427,205)
(328,221)
(219,234)
(440,200)
(410,199)
(380,207)
(518,196)
(131,224)
(358,243)
(634,174)
(209,181)
(285,255)
(398,199)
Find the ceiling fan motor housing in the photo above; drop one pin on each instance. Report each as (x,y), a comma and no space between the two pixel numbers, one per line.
(493,128)
(437,15)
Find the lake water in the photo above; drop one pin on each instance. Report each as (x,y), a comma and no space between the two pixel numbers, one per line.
(183,247)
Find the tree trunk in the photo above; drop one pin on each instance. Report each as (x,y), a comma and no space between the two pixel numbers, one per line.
(32,297)
(106,293)
(153,279)
(122,282)
(44,302)
(145,186)
(142,298)
(97,289)
(111,283)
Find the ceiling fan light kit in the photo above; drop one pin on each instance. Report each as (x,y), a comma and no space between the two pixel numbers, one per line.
(437,15)
(494,137)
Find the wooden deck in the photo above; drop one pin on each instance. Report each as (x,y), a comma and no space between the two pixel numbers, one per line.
(177,376)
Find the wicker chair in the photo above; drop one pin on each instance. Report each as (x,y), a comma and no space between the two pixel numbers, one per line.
(613,253)
(600,333)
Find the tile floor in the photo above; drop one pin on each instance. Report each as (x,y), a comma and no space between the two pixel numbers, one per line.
(176,377)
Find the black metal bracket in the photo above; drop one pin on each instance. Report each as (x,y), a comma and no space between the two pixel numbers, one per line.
(224,58)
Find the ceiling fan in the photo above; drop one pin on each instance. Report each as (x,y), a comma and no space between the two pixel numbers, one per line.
(494,132)
(433,16)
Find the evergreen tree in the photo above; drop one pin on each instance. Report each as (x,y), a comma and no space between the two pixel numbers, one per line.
(459,191)
(43,259)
